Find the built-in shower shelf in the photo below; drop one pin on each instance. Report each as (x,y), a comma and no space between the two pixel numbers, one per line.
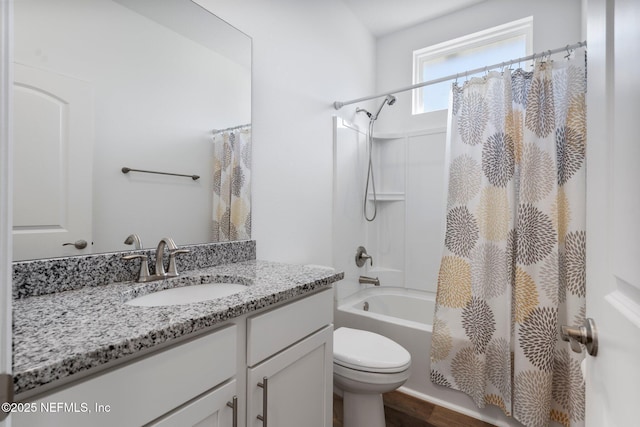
(387,197)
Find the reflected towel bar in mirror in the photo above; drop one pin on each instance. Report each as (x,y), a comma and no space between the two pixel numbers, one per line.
(127,170)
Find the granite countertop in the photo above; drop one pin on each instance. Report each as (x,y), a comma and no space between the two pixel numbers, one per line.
(66,333)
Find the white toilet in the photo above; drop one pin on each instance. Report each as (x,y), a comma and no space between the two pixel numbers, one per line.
(365,365)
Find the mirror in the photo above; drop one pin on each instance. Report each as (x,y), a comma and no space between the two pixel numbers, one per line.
(101,85)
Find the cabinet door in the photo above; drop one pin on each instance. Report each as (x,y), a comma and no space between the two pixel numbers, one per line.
(296,385)
(209,410)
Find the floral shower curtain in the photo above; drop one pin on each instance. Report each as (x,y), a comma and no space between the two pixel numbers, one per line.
(513,266)
(232,184)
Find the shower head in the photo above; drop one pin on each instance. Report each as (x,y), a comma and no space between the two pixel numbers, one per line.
(389,99)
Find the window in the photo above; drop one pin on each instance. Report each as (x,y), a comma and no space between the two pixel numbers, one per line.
(488,47)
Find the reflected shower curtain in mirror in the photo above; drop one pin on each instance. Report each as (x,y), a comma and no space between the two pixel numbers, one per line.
(232,184)
(513,266)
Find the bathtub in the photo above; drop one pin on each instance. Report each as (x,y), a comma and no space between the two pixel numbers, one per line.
(405,316)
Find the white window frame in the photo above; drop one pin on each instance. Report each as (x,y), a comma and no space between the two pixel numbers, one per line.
(501,32)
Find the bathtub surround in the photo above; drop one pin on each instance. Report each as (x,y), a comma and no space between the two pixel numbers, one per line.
(513,268)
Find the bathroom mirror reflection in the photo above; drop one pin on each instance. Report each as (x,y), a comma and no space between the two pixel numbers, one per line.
(101,85)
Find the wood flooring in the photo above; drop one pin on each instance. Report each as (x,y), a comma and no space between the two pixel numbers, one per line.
(402,410)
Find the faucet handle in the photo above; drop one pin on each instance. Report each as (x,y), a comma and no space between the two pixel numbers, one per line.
(173,270)
(143,274)
(362,257)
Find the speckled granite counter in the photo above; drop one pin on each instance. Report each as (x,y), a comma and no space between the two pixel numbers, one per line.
(66,333)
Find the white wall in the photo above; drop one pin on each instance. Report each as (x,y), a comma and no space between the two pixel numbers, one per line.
(349,225)
(306,54)
(555,24)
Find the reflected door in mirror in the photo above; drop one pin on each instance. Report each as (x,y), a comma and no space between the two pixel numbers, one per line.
(53,162)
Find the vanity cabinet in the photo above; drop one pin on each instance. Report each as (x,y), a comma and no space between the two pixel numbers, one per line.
(290,358)
(287,349)
(142,390)
(294,386)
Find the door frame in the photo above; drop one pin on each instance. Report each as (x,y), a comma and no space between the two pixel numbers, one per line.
(6,177)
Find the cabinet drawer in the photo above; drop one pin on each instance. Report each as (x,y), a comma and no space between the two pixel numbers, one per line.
(144,389)
(274,330)
(210,409)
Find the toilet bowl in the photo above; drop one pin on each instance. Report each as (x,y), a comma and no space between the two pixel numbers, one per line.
(365,365)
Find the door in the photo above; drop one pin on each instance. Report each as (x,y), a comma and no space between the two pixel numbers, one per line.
(53,163)
(298,388)
(5,203)
(613,211)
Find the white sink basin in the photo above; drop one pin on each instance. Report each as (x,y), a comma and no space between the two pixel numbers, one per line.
(187,294)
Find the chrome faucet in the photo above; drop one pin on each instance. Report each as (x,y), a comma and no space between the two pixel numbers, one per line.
(366,280)
(173,251)
(171,245)
(133,239)
(144,276)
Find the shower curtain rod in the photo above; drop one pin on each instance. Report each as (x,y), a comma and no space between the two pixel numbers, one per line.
(217,131)
(338,105)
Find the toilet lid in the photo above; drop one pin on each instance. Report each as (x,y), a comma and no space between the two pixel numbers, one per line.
(369,352)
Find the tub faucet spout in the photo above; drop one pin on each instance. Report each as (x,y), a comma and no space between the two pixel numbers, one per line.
(366,280)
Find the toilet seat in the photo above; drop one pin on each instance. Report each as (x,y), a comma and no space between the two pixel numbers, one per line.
(368,352)
(345,378)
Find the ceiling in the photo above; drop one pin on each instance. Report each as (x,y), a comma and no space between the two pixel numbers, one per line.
(382,17)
